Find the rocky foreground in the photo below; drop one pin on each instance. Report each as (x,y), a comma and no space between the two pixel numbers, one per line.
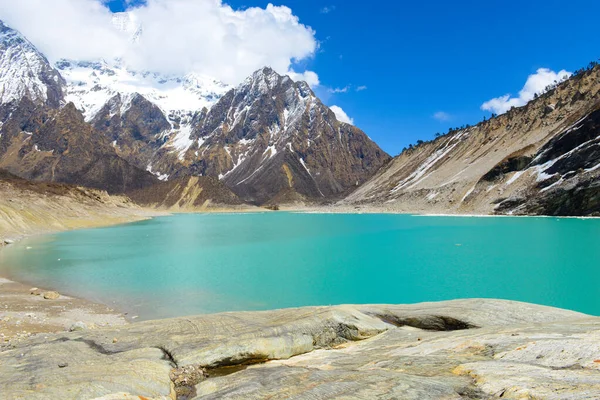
(464,349)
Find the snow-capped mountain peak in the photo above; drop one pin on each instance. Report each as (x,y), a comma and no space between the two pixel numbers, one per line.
(25,72)
(92,84)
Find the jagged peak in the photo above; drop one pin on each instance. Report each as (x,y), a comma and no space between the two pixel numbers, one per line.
(266,79)
(262,80)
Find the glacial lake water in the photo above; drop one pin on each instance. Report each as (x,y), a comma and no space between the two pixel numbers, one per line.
(204,263)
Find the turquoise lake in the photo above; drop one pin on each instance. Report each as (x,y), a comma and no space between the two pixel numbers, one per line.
(205,263)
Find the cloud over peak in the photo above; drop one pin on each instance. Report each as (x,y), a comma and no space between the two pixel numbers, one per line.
(535,84)
(178,36)
(341,115)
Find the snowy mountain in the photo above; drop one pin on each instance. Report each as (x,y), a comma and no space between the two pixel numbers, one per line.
(268,135)
(268,138)
(127,23)
(25,72)
(91,84)
(106,91)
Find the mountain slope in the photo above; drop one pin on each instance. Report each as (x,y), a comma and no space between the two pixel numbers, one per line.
(43,144)
(31,208)
(187,194)
(543,158)
(25,72)
(271,133)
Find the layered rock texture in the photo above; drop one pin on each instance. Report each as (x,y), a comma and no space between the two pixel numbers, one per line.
(543,158)
(466,349)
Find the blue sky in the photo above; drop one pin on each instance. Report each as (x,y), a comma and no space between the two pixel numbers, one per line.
(420,58)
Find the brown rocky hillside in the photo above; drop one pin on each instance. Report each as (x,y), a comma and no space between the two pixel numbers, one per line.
(543,158)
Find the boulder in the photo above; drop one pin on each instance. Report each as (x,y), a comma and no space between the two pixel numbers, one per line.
(51,295)
(35,291)
(78,326)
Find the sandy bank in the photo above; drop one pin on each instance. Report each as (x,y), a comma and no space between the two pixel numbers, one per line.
(25,312)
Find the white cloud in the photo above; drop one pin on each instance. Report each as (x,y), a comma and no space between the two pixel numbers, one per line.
(309,77)
(65,28)
(341,115)
(327,9)
(442,116)
(339,90)
(179,36)
(361,88)
(536,83)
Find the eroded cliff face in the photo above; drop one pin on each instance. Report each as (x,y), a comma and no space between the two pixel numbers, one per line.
(543,158)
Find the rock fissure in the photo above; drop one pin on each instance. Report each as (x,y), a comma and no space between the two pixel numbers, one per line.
(438,323)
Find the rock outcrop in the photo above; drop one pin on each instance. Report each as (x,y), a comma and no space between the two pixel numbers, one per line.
(475,349)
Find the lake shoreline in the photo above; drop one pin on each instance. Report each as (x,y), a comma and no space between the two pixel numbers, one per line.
(54,348)
(20,290)
(25,314)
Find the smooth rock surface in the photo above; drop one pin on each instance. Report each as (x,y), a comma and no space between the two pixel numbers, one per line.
(463,349)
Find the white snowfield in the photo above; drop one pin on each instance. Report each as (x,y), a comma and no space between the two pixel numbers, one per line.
(90,85)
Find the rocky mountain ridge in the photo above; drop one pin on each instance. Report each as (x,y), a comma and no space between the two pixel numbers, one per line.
(543,158)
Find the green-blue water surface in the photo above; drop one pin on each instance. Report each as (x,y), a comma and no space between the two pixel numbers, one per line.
(203,263)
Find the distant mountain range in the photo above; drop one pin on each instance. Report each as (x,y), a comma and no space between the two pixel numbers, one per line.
(270,140)
(100,124)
